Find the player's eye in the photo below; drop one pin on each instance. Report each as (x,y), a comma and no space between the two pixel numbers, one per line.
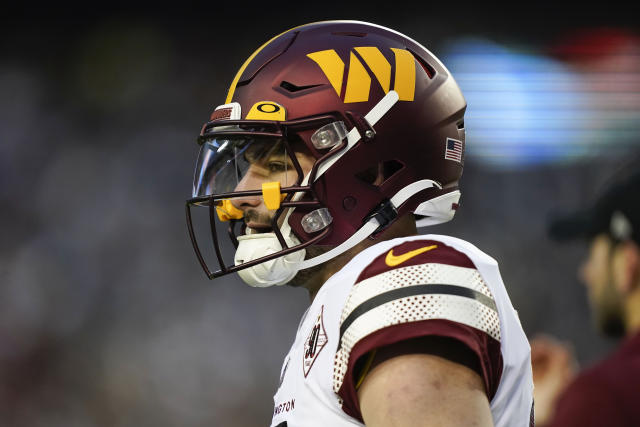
(278,166)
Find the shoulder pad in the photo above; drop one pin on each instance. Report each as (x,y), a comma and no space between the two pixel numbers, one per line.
(412,284)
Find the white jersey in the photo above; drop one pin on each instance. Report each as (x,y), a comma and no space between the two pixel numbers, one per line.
(396,290)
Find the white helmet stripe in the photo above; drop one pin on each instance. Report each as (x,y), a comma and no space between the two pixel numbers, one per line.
(376,113)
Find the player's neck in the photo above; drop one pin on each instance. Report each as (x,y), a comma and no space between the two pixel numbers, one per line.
(405,226)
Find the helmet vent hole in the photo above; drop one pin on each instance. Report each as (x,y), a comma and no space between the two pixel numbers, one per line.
(293,88)
(461,124)
(380,173)
(425,66)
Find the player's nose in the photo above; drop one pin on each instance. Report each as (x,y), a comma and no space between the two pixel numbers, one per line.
(248,182)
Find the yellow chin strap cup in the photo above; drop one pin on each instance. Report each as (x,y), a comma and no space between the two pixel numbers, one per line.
(271,195)
(227,211)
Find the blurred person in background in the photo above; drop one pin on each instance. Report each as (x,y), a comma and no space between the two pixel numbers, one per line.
(320,162)
(605,394)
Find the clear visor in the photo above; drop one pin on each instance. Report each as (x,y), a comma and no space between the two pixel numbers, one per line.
(241,163)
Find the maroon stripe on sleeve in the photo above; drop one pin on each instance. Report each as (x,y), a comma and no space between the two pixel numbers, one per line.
(481,344)
(442,254)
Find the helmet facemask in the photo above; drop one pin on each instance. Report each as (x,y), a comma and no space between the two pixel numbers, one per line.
(245,166)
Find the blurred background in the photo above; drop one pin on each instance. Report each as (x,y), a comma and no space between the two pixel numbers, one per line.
(106,318)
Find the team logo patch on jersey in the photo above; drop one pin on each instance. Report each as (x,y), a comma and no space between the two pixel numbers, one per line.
(314,343)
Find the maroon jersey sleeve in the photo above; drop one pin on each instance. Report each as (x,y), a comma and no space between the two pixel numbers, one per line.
(589,402)
(417,289)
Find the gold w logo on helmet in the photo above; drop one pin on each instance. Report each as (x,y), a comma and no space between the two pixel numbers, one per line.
(359,80)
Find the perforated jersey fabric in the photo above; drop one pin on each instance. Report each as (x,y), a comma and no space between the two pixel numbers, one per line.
(453,290)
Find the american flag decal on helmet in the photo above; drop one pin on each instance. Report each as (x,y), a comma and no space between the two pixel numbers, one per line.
(453,150)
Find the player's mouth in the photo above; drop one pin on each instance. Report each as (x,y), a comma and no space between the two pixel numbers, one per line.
(257,228)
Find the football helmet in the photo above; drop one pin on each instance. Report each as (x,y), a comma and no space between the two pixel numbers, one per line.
(380,121)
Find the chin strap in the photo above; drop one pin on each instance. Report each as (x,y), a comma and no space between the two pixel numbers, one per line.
(370,226)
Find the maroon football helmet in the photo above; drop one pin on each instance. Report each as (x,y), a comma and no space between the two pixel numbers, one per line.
(380,117)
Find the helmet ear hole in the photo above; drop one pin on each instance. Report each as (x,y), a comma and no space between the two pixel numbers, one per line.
(380,173)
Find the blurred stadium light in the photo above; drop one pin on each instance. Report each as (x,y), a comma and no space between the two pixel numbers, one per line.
(526,108)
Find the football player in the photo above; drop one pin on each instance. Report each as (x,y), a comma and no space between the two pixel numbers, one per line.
(611,274)
(333,139)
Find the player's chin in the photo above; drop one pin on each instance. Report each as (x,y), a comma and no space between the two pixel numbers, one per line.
(611,325)
(306,278)
(609,317)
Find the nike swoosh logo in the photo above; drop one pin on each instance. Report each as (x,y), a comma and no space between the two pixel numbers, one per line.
(393,260)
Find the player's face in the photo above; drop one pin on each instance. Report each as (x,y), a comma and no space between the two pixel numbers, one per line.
(597,272)
(267,166)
